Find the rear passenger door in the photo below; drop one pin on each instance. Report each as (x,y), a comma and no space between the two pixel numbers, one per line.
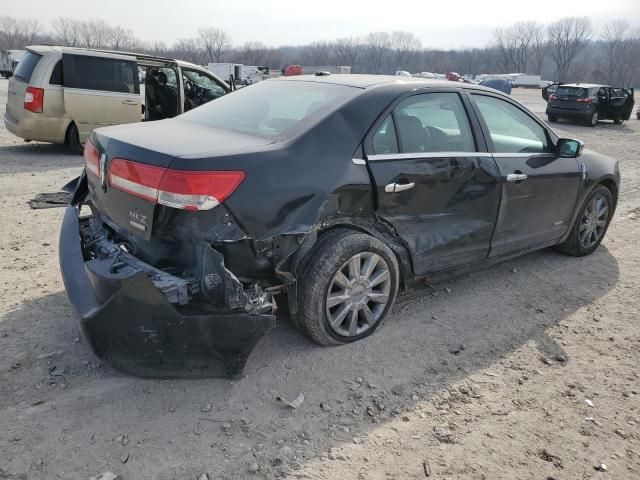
(100,90)
(435,184)
(539,188)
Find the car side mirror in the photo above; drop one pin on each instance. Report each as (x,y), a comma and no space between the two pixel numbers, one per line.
(570,148)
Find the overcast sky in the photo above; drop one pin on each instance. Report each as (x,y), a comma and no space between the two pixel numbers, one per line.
(438,23)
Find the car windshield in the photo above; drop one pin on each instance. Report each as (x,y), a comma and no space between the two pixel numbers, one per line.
(571,92)
(272,108)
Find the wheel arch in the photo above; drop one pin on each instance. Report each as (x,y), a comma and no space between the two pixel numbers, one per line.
(315,239)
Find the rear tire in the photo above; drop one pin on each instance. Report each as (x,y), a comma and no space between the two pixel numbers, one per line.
(593,120)
(591,224)
(347,288)
(73,139)
(552,118)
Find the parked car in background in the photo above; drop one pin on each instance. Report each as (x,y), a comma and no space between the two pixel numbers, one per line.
(588,103)
(338,190)
(9,61)
(501,85)
(60,94)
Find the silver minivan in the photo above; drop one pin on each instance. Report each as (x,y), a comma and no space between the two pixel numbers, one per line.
(60,94)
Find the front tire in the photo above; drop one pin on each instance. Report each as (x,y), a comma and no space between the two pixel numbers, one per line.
(348,288)
(618,121)
(591,224)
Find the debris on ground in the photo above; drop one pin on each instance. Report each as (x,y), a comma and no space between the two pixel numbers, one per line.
(295,403)
(49,200)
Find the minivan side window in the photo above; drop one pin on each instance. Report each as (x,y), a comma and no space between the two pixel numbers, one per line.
(26,66)
(56,74)
(511,129)
(100,73)
(433,122)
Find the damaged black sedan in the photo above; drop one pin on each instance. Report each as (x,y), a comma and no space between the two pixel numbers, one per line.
(339,191)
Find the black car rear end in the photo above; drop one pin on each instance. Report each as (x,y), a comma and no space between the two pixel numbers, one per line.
(578,103)
(152,294)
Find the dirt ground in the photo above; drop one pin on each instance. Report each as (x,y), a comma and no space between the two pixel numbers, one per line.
(528,370)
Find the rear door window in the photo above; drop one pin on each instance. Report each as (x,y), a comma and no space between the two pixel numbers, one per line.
(433,122)
(100,73)
(26,66)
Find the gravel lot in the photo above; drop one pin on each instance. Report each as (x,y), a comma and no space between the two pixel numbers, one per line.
(528,370)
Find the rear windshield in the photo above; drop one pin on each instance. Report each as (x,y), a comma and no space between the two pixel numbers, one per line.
(571,92)
(26,66)
(273,108)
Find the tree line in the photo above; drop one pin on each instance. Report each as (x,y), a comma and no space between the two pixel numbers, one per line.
(568,49)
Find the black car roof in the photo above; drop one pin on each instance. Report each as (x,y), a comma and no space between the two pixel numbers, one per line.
(372,81)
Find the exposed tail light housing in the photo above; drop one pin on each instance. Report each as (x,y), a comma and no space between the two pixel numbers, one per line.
(584,100)
(183,189)
(553,97)
(92,158)
(34,99)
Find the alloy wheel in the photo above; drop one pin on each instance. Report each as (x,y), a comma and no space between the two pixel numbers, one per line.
(594,221)
(594,118)
(358,294)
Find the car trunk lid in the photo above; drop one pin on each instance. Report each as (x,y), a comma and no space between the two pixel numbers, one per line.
(136,168)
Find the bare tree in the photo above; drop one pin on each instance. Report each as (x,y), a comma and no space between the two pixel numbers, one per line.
(403,44)
(378,45)
(119,38)
(66,31)
(540,48)
(18,33)
(215,42)
(347,50)
(567,37)
(516,45)
(317,53)
(620,58)
(188,49)
(253,53)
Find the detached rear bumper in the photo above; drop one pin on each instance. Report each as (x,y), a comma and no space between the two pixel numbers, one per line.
(130,324)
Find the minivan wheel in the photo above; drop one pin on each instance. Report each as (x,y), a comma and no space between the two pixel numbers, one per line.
(593,121)
(348,288)
(73,139)
(591,224)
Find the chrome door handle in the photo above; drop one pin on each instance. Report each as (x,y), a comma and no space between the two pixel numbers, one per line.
(516,177)
(398,187)
(129,102)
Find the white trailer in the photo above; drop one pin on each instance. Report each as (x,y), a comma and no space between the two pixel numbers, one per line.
(226,71)
(242,74)
(9,61)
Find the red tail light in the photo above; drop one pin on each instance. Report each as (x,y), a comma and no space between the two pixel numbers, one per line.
(553,97)
(92,158)
(585,100)
(33,99)
(187,190)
